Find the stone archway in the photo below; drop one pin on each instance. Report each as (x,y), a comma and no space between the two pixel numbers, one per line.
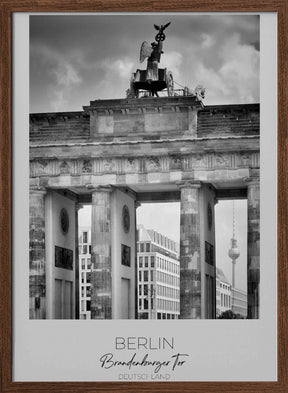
(170,145)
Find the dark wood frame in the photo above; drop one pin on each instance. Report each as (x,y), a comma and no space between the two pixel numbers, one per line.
(7,7)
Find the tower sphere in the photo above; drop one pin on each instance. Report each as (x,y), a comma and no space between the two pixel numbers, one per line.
(234,251)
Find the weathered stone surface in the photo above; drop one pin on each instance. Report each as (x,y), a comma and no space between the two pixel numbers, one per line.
(101,279)
(225,165)
(135,148)
(156,118)
(253,258)
(140,117)
(229,119)
(190,269)
(61,126)
(37,279)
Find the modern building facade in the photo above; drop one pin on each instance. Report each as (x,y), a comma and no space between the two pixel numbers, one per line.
(239,302)
(223,293)
(158,275)
(229,298)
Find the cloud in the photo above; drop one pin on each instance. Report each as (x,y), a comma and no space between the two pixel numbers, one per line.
(162,217)
(116,75)
(84,216)
(241,69)
(207,40)
(236,80)
(59,73)
(66,77)
(172,61)
(65,74)
(58,102)
(118,68)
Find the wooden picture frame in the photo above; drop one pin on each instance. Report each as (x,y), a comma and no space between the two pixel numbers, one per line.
(8,7)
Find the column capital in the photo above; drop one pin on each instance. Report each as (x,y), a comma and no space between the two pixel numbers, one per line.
(99,188)
(252,180)
(137,204)
(79,206)
(38,190)
(188,184)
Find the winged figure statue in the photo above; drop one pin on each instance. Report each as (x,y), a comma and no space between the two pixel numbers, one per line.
(145,51)
(153,53)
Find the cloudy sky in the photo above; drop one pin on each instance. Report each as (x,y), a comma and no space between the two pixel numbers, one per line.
(76,59)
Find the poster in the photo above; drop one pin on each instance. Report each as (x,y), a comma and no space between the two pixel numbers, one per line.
(165,350)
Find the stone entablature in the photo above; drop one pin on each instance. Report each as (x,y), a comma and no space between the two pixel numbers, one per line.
(167,169)
(144,119)
(152,147)
(162,161)
(147,164)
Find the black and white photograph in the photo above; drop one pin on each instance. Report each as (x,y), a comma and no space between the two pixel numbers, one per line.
(144,151)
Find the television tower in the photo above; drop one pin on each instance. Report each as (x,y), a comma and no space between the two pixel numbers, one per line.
(234,251)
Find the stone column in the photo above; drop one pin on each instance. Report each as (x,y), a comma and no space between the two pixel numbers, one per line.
(190,264)
(77,278)
(253,258)
(101,267)
(37,260)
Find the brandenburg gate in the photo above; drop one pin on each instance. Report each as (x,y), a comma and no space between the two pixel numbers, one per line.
(118,153)
(115,154)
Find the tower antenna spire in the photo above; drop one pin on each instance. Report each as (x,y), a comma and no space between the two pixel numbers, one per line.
(234,251)
(233,219)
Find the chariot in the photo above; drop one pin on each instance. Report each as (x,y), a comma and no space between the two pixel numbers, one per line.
(140,86)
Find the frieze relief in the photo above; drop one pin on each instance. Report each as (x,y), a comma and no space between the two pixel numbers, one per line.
(175,162)
(109,165)
(199,160)
(64,168)
(222,160)
(131,165)
(153,164)
(87,166)
(243,159)
(122,165)
(42,167)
